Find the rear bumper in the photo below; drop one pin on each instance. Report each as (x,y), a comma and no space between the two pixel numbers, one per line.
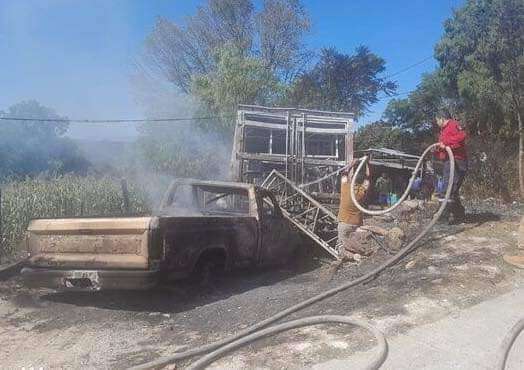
(89,280)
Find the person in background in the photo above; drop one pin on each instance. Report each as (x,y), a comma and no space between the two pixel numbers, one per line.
(349,216)
(383,187)
(415,188)
(427,186)
(401,183)
(439,186)
(453,136)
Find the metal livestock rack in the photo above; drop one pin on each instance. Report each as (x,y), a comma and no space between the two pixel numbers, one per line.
(303,145)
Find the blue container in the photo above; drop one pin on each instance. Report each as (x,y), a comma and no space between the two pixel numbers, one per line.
(392,199)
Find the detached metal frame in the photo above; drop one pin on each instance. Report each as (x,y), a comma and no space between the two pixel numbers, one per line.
(311,217)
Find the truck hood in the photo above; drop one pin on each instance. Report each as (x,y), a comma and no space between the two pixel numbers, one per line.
(85,243)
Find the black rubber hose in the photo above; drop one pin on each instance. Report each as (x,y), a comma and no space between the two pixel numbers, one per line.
(508,342)
(311,320)
(308,302)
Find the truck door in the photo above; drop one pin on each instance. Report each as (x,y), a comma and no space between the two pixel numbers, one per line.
(274,231)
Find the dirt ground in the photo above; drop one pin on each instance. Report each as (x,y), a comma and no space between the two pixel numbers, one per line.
(456,267)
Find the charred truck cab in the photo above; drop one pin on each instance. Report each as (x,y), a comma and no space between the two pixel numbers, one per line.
(226,225)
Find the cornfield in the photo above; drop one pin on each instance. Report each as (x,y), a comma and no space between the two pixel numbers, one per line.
(66,196)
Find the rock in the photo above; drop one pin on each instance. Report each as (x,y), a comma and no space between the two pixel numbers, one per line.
(394,238)
(375,229)
(516,261)
(360,242)
(410,264)
(385,218)
(407,210)
(412,204)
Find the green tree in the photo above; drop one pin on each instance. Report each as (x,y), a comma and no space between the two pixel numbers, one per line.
(226,54)
(382,134)
(232,53)
(178,52)
(31,147)
(415,114)
(238,79)
(481,57)
(341,82)
(281,26)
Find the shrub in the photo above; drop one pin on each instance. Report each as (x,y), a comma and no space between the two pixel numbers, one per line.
(492,169)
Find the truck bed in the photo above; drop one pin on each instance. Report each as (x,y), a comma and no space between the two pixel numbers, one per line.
(120,242)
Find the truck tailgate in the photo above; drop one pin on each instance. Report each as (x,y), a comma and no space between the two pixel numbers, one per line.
(90,243)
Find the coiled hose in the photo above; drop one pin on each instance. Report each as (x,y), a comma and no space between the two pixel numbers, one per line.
(219,348)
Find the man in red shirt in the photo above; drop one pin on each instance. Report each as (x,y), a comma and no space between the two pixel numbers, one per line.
(452,135)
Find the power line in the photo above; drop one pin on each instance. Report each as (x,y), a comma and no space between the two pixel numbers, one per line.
(182,119)
(402,71)
(395,95)
(143,120)
(133,120)
(409,67)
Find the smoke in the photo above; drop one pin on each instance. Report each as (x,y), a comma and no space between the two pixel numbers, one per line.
(79,60)
(165,151)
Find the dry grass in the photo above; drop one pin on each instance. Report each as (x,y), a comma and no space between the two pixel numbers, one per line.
(493,171)
(66,196)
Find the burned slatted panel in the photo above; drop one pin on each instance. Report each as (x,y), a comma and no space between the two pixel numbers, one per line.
(313,219)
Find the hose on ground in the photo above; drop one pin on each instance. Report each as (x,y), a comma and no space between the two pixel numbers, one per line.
(217,348)
(508,342)
(307,321)
(364,159)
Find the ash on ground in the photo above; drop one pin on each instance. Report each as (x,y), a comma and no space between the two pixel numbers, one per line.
(452,268)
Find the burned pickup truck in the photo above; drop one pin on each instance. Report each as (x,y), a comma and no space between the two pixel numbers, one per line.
(199,223)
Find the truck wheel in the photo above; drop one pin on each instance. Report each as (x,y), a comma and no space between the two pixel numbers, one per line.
(206,273)
(209,269)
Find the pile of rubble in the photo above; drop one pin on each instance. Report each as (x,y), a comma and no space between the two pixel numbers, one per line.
(389,232)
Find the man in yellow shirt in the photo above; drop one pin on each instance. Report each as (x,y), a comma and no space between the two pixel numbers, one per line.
(349,216)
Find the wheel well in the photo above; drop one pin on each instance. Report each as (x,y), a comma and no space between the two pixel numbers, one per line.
(216,255)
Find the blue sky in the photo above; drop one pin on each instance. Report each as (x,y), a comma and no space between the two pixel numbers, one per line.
(77,56)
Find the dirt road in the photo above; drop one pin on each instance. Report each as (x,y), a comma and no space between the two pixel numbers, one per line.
(459,267)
